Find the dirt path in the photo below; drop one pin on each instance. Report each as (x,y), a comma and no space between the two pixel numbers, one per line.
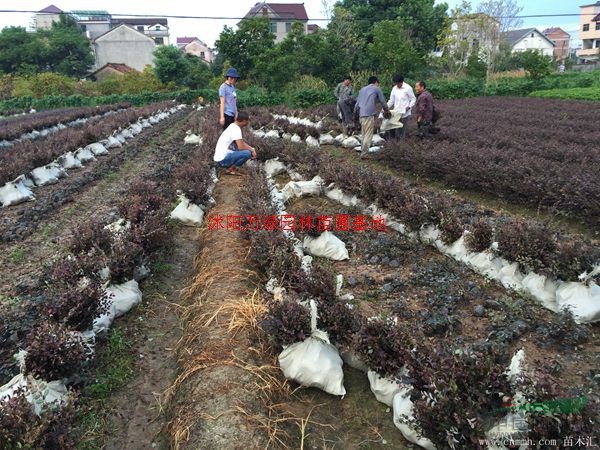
(215,394)
(135,413)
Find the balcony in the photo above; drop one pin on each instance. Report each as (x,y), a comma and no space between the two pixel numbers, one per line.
(588,52)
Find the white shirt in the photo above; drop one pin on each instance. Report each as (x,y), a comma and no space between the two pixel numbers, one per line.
(231,134)
(402,98)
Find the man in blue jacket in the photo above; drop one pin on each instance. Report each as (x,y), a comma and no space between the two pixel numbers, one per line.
(228,98)
(366,109)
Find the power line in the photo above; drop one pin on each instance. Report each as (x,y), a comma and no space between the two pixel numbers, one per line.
(171,16)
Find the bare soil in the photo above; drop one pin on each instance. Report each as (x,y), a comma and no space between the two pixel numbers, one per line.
(135,415)
(214,395)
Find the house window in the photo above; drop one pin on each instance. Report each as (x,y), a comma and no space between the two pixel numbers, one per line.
(202,55)
(140,28)
(597,26)
(532,34)
(586,27)
(157,27)
(288,27)
(83,28)
(159,41)
(597,43)
(273,27)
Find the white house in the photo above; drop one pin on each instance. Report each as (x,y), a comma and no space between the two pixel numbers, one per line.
(529,39)
(281,17)
(124,45)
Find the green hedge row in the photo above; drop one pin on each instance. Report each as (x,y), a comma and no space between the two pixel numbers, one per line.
(249,97)
(591,93)
(441,89)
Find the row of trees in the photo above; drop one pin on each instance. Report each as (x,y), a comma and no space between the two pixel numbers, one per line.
(382,37)
(378,36)
(61,49)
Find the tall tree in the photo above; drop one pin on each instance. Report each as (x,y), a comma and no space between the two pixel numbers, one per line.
(62,48)
(505,11)
(169,64)
(67,50)
(421,20)
(242,47)
(393,48)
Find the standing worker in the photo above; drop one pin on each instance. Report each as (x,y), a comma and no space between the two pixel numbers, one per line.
(368,96)
(344,93)
(425,111)
(228,98)
(402,98)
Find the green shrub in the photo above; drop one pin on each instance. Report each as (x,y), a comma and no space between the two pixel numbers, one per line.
(590,93)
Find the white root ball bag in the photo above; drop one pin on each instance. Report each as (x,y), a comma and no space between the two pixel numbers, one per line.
(15,192)
(312,142)
(327,245)
(187,213)
(582,300)
(301,189)
(542,289)
(113,142)
(274,167)
(326,139)
(69,161)
(383,388)
(192,139)
(403,410)
(314,363)
(97,149)
(350,142)
(48,174)
(124,296)
(84,155)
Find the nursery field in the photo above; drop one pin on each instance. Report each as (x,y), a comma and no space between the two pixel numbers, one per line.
(440,294)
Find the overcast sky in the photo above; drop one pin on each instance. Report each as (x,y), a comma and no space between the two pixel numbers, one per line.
(208,30)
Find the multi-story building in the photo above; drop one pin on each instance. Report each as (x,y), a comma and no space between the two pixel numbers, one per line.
(156,28)
(589,32)
(124,45)
(561,40)
(96,23)
(92,23)
(281,17)
(194,46)
(44,18)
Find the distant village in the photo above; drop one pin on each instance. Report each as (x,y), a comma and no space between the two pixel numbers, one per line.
(124,44)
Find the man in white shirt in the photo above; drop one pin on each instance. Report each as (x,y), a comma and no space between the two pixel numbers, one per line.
(232,151)
(402,98)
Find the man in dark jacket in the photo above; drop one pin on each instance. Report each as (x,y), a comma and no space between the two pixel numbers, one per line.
(425,110)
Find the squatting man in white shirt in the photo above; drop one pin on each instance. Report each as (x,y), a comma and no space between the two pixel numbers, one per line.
(402,98)
(232,151)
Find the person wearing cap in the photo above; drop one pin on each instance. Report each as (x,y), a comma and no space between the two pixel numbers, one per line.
(228,98)
(231,151)
(402,98)
(366,109)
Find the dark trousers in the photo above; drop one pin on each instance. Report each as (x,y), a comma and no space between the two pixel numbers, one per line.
(399,133)
(228,121)
(425,129)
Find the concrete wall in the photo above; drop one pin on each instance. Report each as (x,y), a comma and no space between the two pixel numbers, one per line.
(196,48)
(44,21)
(126,46)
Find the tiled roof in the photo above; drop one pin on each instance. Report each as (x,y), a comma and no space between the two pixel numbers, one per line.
(123,68)
(51,10)
(283,10)
(185,40)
